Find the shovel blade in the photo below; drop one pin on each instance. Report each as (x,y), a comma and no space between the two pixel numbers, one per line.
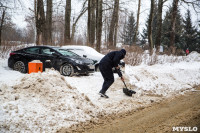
(128,92)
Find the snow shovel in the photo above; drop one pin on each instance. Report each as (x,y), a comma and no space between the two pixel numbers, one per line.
(127,91)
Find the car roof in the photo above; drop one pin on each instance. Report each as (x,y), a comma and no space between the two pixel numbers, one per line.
(44,46)
(40,46)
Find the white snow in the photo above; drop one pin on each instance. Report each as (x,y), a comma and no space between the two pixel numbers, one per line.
(47,102)
(85,50)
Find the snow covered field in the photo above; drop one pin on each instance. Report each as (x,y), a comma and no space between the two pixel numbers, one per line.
(47,102)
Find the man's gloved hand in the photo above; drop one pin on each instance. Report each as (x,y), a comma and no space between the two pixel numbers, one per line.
(118,71)
(118,67)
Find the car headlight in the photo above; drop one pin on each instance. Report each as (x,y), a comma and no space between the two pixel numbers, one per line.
(77,61)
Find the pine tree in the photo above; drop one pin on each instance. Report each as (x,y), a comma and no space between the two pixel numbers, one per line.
(129,31)
(190,33)
(166,29)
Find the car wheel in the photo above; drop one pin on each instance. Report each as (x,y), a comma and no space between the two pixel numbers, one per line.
(20,66)
(67,70)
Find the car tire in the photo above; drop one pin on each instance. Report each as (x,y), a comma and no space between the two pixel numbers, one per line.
(67,70)
(20,66)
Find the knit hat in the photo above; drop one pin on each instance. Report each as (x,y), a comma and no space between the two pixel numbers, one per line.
(123,51)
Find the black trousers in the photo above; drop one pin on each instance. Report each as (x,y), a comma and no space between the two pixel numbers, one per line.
(107,73)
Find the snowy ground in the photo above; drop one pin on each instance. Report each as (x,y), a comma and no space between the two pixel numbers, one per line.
(47,102)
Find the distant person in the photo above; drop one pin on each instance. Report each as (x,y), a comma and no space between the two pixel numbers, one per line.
(109,61)
(187,51)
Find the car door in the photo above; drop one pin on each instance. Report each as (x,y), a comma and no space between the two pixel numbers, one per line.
(47,57)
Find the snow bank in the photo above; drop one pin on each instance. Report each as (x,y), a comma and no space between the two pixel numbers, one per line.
(167,78)
(145,58)
(42,102)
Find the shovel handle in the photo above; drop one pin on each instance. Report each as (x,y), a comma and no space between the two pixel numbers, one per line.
(124,83)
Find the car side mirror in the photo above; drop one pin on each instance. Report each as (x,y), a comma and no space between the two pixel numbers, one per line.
(85,56)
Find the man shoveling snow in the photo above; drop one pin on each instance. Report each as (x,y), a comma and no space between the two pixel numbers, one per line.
(109,61)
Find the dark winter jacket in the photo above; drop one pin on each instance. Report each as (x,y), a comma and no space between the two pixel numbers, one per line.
(113,58)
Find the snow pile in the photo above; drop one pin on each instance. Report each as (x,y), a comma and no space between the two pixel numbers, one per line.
(165,80)
(193,56)
(42,102)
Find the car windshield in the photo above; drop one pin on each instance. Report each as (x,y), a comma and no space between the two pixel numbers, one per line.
(66,52)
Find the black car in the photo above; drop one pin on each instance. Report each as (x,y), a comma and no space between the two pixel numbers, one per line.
(67,62)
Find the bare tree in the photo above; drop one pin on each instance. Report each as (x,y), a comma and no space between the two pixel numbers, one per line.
(99,24)
(173,23)
(114,24)
(91,22)
(49,22)
(30,29)
(150,26)
(137,23)
(5,6)
(159,23)
(40,22)
(2,19)
(83,10)
(67,39)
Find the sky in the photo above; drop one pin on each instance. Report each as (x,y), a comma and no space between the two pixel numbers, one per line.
(48,101)
(131,5)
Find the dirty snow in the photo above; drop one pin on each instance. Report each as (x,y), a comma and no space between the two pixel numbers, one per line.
(47,102)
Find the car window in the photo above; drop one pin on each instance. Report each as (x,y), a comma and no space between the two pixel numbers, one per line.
(80,52)
(66,52)
(47,51)
(32,50)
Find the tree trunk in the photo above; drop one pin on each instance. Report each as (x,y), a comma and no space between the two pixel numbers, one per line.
(49,22)
(91,22)
(114,23)
(173,25)
(1,25)
(137,23)
(159,23)
(115,35)
(67,39)
(99,24)
(150,27)
(40,23)
(88,23)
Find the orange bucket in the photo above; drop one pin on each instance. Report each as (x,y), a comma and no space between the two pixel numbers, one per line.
(35,67)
